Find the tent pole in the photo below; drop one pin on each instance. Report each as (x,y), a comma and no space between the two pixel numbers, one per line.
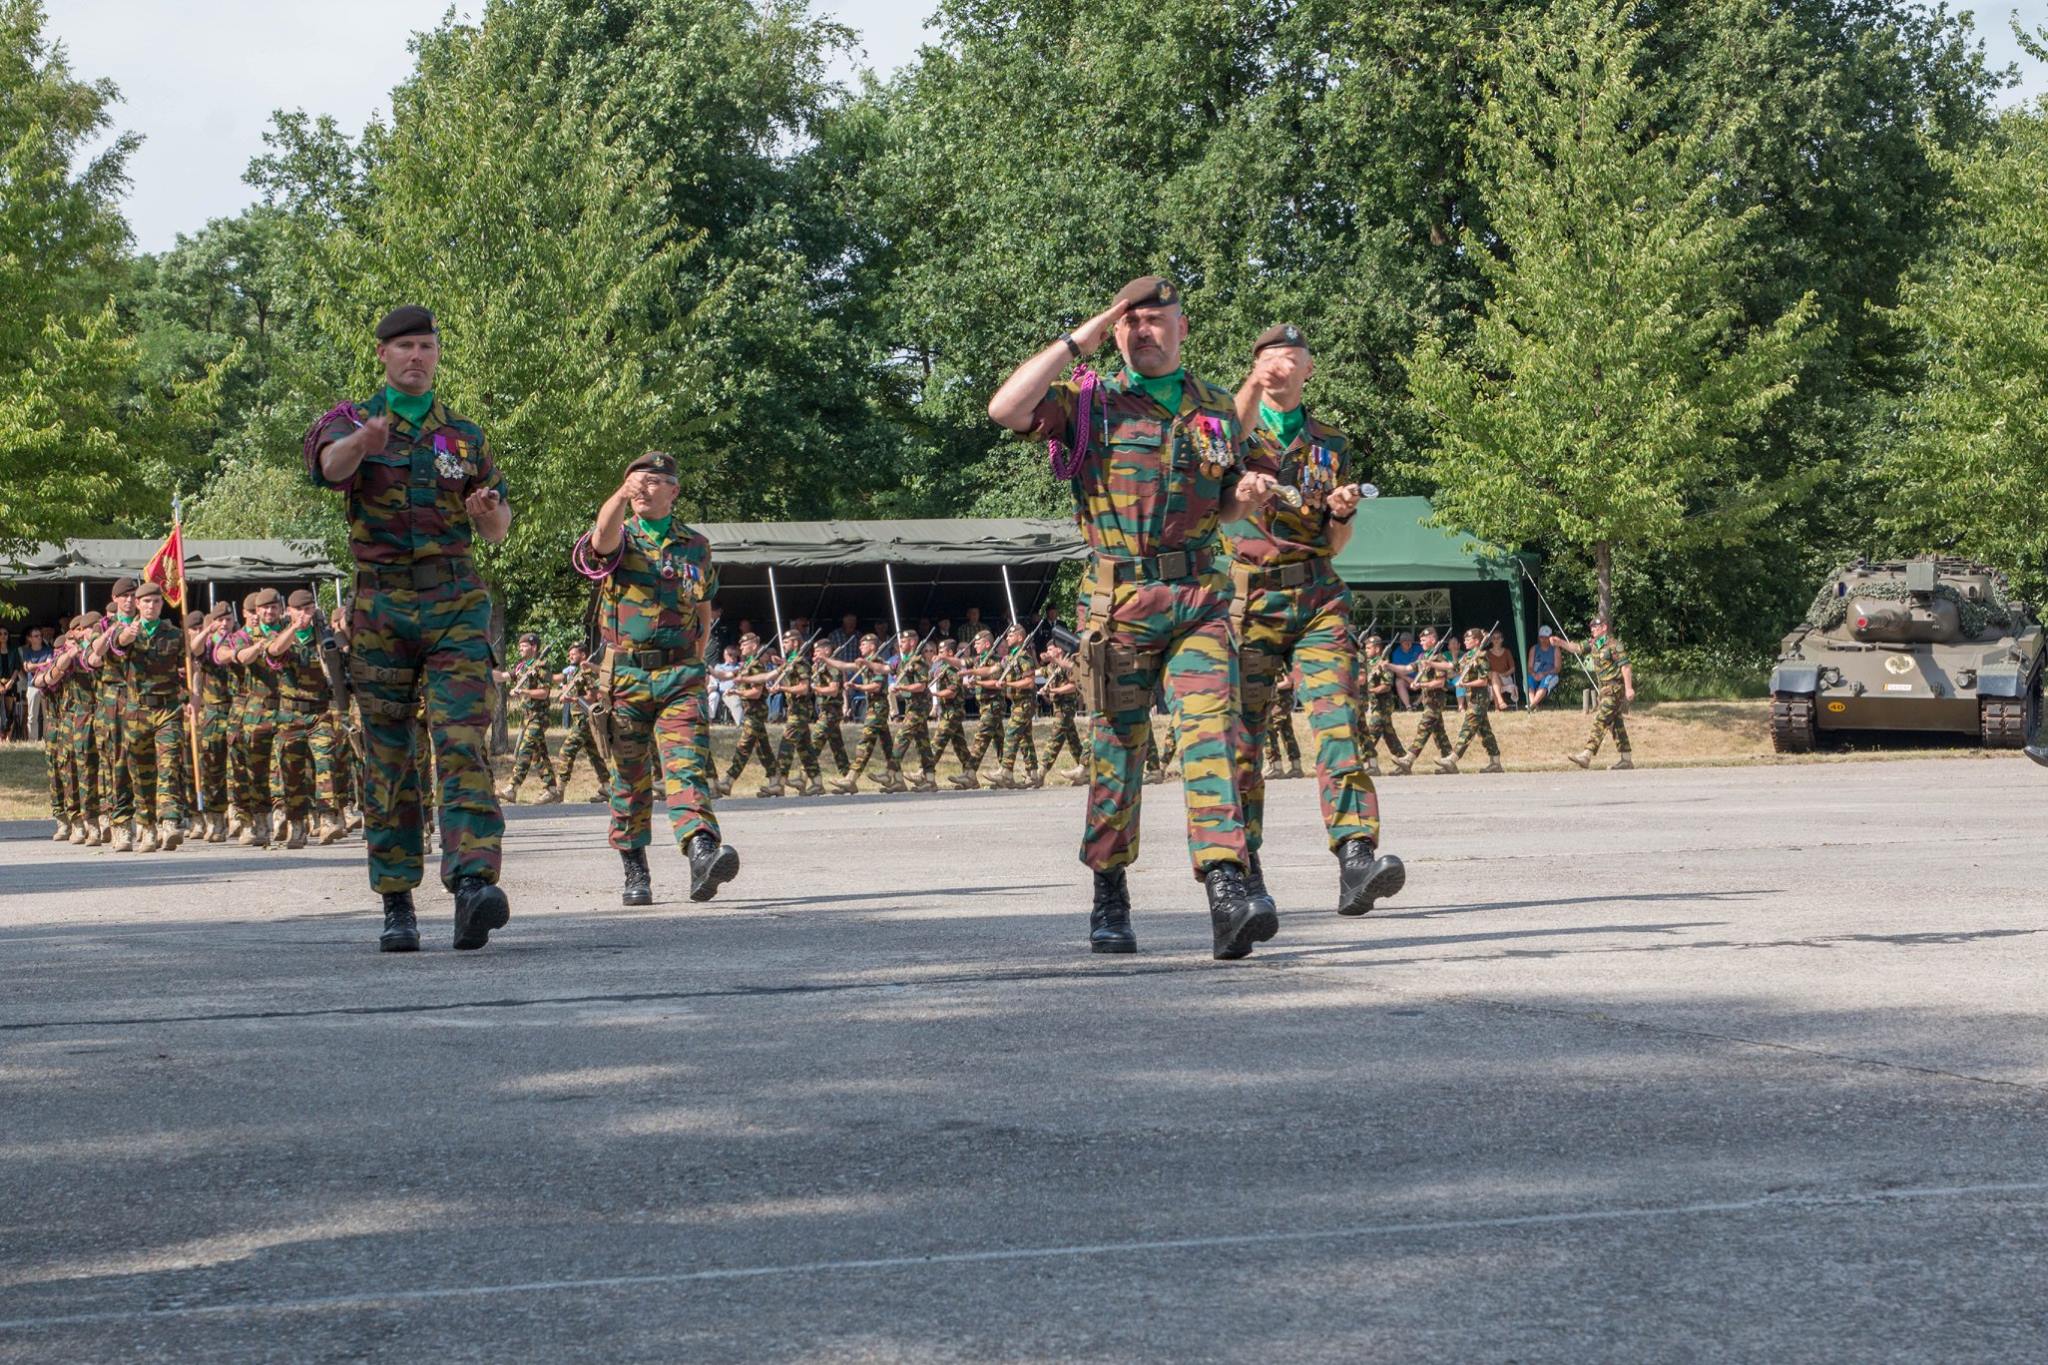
(81,597)
(775,604)
(896,616)
(209,594)
(1009,597)
(1521,633)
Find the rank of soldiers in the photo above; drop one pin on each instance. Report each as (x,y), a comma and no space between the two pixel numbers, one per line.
(1212,518)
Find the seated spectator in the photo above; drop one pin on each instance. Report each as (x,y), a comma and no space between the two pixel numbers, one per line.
(1543,667)
(1403,655)
(1500,660)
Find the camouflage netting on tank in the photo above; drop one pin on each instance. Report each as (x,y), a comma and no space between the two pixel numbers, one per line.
(1829,610)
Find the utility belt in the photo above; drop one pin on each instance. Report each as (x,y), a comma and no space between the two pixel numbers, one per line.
(651,658)
(158,698)
(303,706)
(420,576)
(1247,579)
(1098,586)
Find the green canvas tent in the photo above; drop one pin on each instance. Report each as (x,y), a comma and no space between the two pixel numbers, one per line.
(58,580)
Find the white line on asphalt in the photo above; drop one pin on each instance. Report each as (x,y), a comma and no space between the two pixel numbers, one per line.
(1000,1254)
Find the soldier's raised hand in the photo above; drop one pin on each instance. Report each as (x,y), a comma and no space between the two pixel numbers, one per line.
(374,435)
(481,503)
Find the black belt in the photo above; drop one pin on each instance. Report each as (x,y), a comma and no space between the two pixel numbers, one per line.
(655,658)
(1162,568)
(305,706)
(1262,579)
(419,576)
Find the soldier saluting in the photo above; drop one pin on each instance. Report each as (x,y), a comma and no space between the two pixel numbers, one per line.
(420,483)
(1155,458)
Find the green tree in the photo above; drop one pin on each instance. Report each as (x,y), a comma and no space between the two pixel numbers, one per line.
(1966,468)
(1609,380)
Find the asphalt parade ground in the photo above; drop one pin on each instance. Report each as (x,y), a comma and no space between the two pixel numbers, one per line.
(1703,1063)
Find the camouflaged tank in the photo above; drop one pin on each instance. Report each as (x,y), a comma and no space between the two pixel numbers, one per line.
(1921,645)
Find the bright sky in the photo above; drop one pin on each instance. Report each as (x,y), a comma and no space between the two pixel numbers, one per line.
(200,78)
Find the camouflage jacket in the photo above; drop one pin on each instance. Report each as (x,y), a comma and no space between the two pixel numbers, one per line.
(154,663)
(1154,479)
(1606,658)
(798,673)
(946,674)
(913,685)
(405,503)
(1379,681)
(1475,674)
(1319,462)
(299,675)
(216,682)
(525,674)
(652,587)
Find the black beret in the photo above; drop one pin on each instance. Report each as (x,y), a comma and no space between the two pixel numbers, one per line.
(406,321)
(300,597)
(123,585)
(1148,291)
(528,635)
(654,462)
(1280,334)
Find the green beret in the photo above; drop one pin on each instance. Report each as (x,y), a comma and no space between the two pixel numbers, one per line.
(655,462)
(409,320)
(1148,291)
(1280,334)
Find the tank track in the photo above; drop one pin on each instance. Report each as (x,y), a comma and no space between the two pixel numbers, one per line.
(1792,723)
(2002,721)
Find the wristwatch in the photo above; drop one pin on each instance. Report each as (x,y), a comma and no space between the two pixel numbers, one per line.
(1073,346)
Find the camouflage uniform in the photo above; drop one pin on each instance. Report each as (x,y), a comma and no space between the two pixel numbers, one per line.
(532,749)
(799,717)
(1148,497)
(82,774)
(1606,658)
(1280,741)
(420,631)
(952,711)
(754,742)
(1294,613)
(1017,675)
(260,695)
(109,737)
(333,765)
(1066,709)
(874,725)
(1475,675)
(216,682)
(651,675)
(241,794)
(831,717)
(1431,730)
(301,702)
(995,709)
(579,694)
(913,686)
(1379,698)
(154,720)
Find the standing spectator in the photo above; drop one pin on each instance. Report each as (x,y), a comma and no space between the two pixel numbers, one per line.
(720,689)
(719,636)
(846,640)
(1543,667)
(971,627)
(1500,661)
(36,653)
(10,687)
(1403,656)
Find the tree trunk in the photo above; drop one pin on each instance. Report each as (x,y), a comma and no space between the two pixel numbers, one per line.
(1603,564)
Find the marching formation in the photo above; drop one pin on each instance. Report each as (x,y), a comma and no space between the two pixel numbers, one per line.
(1212,517)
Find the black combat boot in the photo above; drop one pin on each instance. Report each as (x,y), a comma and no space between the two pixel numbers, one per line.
(639,885)
(1109,923)
(1255,885)
(1363,878)
(1236,923)
(479,908)
(712,865)
(401,927)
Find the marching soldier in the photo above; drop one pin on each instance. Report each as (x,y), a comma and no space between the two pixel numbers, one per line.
(294,648)
(1617,683)
(526,683)
(1017,675)
(1294,617)
(949,689)
(249,648)
(1154,458)
(831,695)
(799,715)
(152,652)
(980,671)
(210,714)
(580,692)
(912,685)
(109,734)
(868,675)
(1380,700)
(1158,756)
(1482,694)
(420,483)
(65,683)
(751,681)
(1429,677)
(333,753)
(1283,750)
(656,584)
(1065,695)
(81,691)
(241,794)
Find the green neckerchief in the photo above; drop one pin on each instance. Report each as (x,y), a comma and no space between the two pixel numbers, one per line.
(1600,643)
(412,407)
(1165,390)
(149,628)
(655,531)
(304,636)
(1285,425)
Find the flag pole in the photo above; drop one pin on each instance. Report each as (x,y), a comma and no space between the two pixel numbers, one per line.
(191,684)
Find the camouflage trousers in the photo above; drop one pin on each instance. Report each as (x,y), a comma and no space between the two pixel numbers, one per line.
(1064,737)
(239,793)
(109,738)
(154,733)
(1477,724)
(579,742)
(1017,737)
(1306,628)
(81,772)
(874,739)
(754,744)
(56,759)
(826,735)
(1609,713)
(797,727)
(1432,728)
(1378,727)
(212,778)
(259,756)
(1178,633)
(953,735)
(989,733)
(915,732)
(292,757)
(334,764)
(661,712)
(431,645)
(532,750)
(1280,738)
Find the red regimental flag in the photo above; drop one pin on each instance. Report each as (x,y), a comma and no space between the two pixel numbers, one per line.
(166,568)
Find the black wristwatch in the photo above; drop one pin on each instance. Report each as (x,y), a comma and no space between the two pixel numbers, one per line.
(1342,521)
(1073,346)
